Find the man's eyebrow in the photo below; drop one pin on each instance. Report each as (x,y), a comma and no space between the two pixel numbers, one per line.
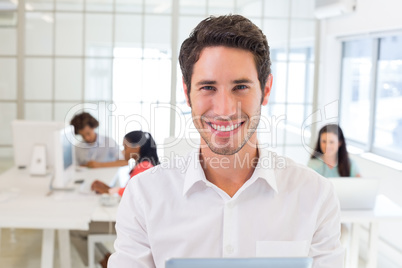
(243,81)
(205,82)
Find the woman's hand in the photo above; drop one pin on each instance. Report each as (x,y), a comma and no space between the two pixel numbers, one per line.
(99,187)
(114,190)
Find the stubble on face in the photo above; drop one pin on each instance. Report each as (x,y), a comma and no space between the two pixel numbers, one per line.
(225,99)
(234,143)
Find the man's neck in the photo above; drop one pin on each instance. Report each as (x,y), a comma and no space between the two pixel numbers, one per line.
(229,172)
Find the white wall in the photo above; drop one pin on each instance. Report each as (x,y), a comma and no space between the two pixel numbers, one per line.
(371,16)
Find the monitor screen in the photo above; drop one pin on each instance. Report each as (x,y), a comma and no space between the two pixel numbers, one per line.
(64,157)
(67,151)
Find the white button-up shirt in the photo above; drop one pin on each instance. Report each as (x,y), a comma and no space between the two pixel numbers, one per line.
(283,210)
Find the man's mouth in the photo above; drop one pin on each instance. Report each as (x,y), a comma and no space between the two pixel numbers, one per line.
(224,127)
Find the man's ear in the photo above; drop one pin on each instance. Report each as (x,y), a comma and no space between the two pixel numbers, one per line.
(185,93)
(267,90)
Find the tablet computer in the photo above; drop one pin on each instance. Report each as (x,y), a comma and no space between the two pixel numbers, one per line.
(305,262)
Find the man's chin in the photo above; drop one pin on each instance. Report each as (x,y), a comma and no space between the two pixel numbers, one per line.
(223,150)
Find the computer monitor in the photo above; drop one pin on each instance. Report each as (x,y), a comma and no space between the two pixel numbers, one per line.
(356,193)
(64,158)
(27,135)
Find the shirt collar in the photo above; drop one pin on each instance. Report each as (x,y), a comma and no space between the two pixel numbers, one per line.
(264,170)
(194,171)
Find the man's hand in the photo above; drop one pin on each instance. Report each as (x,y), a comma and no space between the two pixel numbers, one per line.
(99,187)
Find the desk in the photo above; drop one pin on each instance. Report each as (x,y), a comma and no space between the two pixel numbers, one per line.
(28,205)
(384,210)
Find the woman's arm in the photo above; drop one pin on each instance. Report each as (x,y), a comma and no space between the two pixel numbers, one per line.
(95,164)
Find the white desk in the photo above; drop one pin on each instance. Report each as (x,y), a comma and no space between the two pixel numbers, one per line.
(385,210)
(28,205)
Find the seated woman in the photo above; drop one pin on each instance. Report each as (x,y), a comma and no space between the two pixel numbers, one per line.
(96,150)
(142,148)
(330,157)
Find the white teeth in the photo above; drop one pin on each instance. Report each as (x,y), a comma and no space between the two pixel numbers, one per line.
(225,129)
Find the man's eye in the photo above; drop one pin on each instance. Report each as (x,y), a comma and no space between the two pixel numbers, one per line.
(241,87)
(208,88)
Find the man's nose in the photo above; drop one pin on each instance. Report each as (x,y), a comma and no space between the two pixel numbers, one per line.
(225,104)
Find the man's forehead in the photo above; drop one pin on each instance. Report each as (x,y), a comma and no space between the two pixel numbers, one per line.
(233,63)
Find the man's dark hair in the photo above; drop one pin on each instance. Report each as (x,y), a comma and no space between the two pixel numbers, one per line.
(82,120)
(233,31)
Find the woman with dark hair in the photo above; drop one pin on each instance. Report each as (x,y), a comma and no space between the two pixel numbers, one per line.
(139,146)
(330,157)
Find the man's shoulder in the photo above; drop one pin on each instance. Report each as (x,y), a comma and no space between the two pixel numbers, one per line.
(105,140)
(303,174)
(299,178)
(156,183)
(168,170)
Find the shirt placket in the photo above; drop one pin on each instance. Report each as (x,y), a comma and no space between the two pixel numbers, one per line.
(229,241)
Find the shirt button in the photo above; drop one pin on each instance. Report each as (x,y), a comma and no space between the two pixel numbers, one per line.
(229,249)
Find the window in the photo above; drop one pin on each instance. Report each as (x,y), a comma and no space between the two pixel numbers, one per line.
(388,117)
(117,59)
(371,94)
(8,75)
(356,73)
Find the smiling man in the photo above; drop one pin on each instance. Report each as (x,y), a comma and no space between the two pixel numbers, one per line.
(227,202)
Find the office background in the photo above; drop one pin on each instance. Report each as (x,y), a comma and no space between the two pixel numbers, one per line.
(118,60)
